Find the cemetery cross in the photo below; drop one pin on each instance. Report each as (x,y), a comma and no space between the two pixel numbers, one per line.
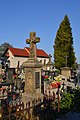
(32,41)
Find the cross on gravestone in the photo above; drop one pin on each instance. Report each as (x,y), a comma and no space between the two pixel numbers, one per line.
(66,59)
(32,41)
(50,57)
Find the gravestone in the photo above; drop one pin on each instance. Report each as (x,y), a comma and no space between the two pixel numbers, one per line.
(10,74)
(66,72)
(32,68)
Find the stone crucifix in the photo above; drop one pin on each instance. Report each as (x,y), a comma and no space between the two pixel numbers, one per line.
(50,58)
(32,41)
(66,60)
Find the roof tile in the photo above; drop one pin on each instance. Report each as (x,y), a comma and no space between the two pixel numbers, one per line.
(25,52)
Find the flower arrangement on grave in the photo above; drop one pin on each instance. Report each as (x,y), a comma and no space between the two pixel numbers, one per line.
(46,78)
(56,82)
(18,76)
(19,82)
(14,76)
(58,78)
(2,78)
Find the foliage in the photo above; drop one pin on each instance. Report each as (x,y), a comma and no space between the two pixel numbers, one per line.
(3,47)
(75,66)
(66,102)
(77,99)
(63,46)
(70,102)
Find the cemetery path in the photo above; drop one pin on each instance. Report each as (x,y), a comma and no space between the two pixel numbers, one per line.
(71,116)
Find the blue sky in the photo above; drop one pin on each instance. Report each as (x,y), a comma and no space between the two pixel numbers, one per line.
(20,17)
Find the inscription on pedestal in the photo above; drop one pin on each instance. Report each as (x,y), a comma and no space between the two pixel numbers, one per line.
(37,80)
(29,86)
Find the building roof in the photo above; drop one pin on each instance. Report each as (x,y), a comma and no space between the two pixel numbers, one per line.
(19,52)
(25,52)
(39,52)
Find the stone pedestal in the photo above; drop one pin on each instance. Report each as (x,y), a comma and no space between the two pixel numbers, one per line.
(32,69)
(66,72)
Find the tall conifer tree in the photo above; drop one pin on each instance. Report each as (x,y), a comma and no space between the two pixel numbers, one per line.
(63,48)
